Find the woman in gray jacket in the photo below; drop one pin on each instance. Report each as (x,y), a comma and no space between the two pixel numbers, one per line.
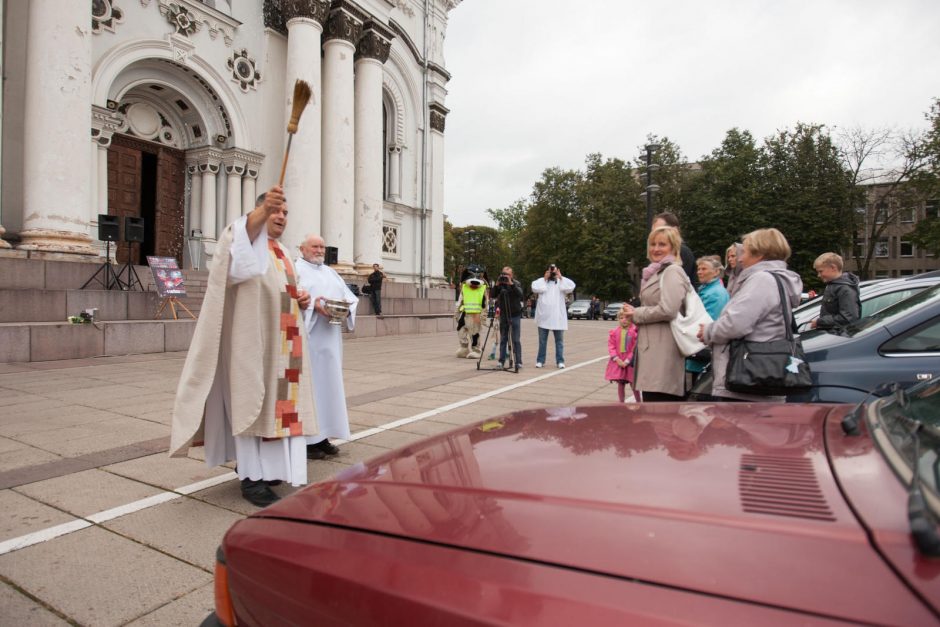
(754,312)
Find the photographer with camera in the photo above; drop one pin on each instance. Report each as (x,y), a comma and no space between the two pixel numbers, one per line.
(551,313)
(507,294)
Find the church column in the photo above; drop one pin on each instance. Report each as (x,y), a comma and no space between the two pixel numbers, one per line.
(57,194)
(249,189)
(234,169)
(305,19)
(371,53)
(195,197)
(209,170)
(342,31)
(104,124)
(436,223)
(394,173)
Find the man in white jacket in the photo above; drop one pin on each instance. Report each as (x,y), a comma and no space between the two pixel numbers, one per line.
(551,314)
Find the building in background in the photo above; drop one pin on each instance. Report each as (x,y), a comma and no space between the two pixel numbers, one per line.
(891,212)
(176,111)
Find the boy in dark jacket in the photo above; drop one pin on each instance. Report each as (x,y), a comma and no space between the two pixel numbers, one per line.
(841,303)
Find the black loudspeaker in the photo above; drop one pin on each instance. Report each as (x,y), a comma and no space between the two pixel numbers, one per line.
(332,255)
(133,230)
(108,230)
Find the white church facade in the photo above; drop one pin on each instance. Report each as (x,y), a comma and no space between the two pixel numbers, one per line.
(175,111)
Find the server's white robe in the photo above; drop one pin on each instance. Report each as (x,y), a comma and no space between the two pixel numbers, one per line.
(325,344)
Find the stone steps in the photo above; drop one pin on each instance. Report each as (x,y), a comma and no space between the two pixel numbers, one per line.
(37,297)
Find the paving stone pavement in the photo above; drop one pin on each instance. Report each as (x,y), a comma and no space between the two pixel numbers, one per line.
(83,444)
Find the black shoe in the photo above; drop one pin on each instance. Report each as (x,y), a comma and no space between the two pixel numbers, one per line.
(258,493)
(327,447)
(314,452)
(275,482)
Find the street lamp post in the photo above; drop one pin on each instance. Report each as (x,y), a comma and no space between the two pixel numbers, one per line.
(470,243)
(650,187)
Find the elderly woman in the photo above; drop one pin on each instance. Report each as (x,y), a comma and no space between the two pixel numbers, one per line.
(713,294)
(754,312)
(659,366)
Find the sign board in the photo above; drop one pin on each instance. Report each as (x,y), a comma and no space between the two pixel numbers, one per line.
(167,276)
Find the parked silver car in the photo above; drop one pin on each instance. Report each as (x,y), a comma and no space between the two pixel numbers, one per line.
(875,296)
(579,309)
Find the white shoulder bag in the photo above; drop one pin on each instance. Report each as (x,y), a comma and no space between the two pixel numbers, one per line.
(685,325)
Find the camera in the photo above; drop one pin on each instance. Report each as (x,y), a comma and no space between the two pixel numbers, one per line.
(504,279)
(552,272)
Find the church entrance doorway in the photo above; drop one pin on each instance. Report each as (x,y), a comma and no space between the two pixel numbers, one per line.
(147,180)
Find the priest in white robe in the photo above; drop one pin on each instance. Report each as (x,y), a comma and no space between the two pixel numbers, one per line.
(245,391)
(325,341)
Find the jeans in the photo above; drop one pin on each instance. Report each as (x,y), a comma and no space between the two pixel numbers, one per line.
(559,345)
(504,325)
(376,297)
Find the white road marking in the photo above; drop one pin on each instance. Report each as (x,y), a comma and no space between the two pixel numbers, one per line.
(51,533)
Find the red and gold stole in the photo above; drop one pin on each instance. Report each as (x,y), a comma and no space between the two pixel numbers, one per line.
(290,357)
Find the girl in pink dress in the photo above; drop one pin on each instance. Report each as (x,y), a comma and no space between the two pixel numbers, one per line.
(620,345)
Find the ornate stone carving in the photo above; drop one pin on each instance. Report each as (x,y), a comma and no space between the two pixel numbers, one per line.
(244,70)
(342,24)
(104,15)
(390,240)
(375,42)
(189,16)
(104,124)
(404,7)
(438,114)
(180,18)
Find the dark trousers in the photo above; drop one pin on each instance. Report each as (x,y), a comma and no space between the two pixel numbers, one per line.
(515,324)
(376,298)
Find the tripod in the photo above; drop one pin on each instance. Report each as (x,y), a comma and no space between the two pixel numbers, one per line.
(502,309)
(110,280)
(132,277)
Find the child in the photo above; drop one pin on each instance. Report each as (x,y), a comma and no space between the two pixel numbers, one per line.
(620,345)
(841,303)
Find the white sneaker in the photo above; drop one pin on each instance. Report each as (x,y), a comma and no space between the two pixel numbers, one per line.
(561,366)
(538,364)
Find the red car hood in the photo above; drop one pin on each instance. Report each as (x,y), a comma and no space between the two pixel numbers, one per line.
(736,500)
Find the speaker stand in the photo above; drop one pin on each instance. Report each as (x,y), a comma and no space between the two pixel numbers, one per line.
(110,280)
(132,277)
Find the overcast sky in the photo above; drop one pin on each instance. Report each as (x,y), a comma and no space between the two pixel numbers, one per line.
(542,83)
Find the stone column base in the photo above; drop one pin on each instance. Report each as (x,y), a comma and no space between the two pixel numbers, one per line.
(3,243)
(49,241)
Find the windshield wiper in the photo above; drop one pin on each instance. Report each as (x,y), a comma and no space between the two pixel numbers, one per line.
(923,528)
(850,420)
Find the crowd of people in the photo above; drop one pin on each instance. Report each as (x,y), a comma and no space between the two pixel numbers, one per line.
(262,383)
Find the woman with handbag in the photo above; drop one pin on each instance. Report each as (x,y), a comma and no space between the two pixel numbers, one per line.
(755,312)
(659,365)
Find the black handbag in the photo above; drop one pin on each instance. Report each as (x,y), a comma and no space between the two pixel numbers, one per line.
(772,368)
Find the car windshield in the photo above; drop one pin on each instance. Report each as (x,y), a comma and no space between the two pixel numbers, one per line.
(900,413)
(580,303)
(615,306)
(895,311)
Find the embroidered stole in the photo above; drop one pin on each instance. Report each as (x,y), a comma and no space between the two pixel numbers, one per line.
(290,356)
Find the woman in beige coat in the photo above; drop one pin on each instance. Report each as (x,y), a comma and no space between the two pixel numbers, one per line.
(660,367)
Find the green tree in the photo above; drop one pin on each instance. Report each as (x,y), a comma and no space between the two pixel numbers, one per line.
(927,232)
(453,253)
(510,221)
(807,193)
(723,201)
(614,230)
(553,225)
(479,245)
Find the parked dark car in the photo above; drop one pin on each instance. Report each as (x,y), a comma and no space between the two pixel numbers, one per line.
(899,344)
(627,514)
(610,311)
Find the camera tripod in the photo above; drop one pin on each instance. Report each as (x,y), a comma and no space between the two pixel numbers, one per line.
(502,308)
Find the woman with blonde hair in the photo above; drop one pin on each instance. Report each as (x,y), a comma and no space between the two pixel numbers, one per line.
(754,312)
(659,366)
